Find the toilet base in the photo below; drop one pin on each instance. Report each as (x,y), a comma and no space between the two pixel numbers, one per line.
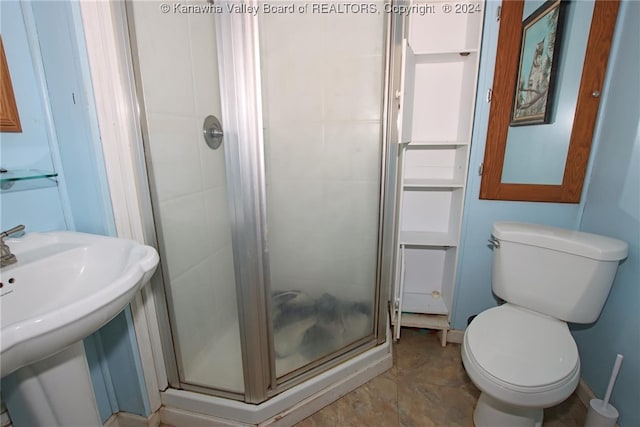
(490,412)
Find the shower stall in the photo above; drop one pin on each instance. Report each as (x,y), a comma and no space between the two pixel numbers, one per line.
(274,244)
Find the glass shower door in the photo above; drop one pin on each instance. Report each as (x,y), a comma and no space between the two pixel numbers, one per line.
(177,66)
(295,186)
(322,89)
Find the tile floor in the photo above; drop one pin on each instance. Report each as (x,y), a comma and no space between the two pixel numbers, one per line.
(427,386)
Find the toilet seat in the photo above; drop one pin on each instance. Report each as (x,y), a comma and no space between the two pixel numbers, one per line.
(521,357)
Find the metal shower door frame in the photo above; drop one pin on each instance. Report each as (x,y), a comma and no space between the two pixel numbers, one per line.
(241,100)
(238,52)
(241,105)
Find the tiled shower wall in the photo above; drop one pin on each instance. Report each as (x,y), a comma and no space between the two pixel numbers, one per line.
(179,70)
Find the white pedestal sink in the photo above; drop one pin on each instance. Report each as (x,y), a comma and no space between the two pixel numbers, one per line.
(56,391)
(64,287)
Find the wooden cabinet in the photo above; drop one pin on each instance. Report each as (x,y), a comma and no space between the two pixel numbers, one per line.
(437,95)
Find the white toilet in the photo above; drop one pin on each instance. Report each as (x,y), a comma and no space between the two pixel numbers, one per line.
(521,354)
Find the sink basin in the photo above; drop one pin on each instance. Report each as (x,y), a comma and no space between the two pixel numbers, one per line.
(65,286)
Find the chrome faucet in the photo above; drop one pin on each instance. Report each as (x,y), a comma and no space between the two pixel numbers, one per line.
(7,257)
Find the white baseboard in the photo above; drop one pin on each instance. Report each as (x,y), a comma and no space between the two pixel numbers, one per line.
(179,417)
(455,336)
(125,419)
(112,421)
(5,421)
(584,392)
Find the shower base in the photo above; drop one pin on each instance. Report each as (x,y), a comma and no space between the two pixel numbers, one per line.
(218,364)
(181,407)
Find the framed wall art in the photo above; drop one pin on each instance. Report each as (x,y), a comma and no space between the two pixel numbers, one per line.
(538,64)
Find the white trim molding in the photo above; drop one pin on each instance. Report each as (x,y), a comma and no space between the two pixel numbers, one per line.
(125,419)
(584,393)
(115,114)
(454,336)
(105,35)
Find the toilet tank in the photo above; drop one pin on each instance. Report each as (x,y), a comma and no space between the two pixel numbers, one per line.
(565,274)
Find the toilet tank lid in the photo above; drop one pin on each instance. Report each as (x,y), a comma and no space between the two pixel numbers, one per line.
(589,245)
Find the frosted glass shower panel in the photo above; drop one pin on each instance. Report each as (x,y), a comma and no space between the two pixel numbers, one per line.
(322,77)
(189,196)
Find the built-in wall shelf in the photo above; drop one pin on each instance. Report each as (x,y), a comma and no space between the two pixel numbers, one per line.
(423,321)
(436,143)
(447,26)
(437,98)
(428,321)
(427,238)
(432,183)
(443,56)
(26,179)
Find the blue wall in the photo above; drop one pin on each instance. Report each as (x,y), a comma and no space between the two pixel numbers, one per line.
(41,209)
(610,206)
(55,100)
(473,283)
(73,111)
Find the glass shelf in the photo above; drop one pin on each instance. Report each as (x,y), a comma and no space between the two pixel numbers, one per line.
(26,179)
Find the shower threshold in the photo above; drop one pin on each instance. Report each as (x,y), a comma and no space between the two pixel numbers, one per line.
(181,407)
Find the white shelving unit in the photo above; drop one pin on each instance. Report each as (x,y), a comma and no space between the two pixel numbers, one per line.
(437,98)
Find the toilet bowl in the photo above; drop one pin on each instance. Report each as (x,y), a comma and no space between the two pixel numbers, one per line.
(521,354)
(522,362)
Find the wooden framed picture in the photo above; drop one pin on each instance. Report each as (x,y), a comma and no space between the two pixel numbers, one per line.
(538,64)
(9,118)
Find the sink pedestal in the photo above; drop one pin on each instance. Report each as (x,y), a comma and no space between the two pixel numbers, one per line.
(56,391)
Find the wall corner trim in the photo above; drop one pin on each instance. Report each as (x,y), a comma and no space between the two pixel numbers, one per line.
(116,112)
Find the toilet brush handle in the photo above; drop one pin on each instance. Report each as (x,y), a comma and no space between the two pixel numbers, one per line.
(612,380)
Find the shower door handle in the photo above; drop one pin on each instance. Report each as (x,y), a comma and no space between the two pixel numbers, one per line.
(212,131)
